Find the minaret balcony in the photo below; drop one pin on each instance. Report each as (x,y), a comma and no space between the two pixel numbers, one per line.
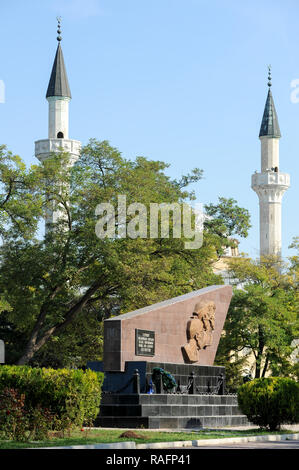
(270,186)
(270,178)
(43,148)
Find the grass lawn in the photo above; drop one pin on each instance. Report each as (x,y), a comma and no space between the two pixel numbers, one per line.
(97,436)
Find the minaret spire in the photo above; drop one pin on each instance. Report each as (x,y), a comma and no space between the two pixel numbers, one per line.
(269,75)
(59,38)
(58,84)
(269,125)
(270,184)
(58,96)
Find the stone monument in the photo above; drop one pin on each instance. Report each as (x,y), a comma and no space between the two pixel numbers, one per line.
(158,365)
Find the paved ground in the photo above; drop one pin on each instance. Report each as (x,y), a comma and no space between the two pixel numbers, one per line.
(290,427)
(281,445)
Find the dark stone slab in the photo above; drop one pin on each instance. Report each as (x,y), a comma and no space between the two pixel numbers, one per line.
(205,377)
(169,411)
(122,406)
(122,422)
(171,422)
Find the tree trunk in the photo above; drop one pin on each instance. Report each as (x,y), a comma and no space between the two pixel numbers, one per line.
(28,354)
(257,370)
(259,355)
(35,344)
(265,366)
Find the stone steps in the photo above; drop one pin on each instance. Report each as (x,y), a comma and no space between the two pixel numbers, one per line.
(169,411)
(170,399)
(170,422)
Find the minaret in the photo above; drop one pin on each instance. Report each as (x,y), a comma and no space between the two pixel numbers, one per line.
(270,184)
(58,96)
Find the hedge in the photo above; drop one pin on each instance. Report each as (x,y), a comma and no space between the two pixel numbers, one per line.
(72,395)
(270,401)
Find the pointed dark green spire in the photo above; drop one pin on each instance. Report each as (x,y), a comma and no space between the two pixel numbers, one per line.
(270,126)
(58,84)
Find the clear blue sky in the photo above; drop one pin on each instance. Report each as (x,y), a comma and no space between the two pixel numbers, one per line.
(183,81)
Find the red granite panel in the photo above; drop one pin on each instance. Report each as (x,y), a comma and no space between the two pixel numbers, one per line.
(169,322)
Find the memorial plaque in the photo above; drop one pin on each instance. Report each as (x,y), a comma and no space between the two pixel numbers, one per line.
(144,343)
(2,352)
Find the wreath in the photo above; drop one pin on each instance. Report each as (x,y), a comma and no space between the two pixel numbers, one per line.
(168,380)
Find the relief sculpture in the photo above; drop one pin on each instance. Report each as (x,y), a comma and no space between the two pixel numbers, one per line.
(200,329)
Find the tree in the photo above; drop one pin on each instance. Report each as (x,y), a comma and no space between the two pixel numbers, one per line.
(262,320)
(20,203)
(224,221)
(56,284)
(227,218)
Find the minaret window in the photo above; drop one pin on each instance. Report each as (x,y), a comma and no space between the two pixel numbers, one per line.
(60,135)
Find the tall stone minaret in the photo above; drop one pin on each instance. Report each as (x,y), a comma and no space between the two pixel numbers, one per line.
(270,184)
(58,96)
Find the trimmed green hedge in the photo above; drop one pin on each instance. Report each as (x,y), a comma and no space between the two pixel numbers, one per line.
(270,401)
(73,395)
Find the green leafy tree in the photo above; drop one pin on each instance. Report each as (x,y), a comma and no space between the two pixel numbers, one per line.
(224,221)
(227,218)
(72,280)
(20,203)
(262,321)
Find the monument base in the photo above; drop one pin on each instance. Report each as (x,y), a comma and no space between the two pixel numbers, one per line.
(197,401)
(169,411)
(205,378)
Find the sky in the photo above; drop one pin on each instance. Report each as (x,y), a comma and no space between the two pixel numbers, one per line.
(182,81)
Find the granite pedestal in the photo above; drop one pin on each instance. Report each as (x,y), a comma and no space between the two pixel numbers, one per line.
(205,404)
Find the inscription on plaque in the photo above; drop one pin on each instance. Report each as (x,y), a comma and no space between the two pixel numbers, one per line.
(144,343)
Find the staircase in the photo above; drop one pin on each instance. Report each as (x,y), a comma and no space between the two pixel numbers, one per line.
(175,411)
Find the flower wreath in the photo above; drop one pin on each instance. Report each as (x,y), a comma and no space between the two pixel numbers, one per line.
(168,380)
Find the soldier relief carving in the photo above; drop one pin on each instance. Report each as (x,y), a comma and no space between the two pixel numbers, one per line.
(200,329)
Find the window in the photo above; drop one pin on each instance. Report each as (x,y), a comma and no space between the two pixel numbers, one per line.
(60,135)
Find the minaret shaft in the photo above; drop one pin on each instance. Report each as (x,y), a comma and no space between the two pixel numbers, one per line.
(270,228)
(270,191)
(58,117)
(269,153)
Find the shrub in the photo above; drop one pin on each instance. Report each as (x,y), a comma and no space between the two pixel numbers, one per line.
(71,396)
(20,423)
(270,402)
(41,422)
(13,415)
